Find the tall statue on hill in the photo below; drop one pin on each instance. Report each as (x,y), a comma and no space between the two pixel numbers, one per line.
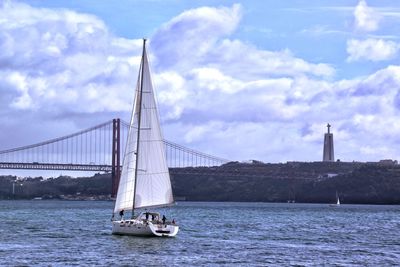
(328,154)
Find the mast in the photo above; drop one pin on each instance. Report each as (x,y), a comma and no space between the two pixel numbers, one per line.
(139,122)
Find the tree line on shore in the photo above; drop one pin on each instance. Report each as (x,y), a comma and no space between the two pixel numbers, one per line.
(315,182)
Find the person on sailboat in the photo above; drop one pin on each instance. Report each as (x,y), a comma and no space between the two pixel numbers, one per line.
(121,213)
(147,216)
(164,219)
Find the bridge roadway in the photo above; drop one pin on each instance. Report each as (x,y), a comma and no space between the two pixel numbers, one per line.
(52,166)
(213,171)
(207,171)
(92,167)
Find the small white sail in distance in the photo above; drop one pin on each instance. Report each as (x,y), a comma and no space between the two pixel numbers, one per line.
(150,184)
(337,201)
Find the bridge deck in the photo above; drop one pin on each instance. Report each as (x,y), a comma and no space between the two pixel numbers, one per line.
(50,166)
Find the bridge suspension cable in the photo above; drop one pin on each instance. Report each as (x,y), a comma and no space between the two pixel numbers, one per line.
(91,150)
(179,156)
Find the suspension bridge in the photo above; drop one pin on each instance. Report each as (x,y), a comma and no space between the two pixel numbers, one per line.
(96,149)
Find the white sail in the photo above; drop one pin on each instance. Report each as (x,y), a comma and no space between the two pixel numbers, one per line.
(337,199)
(152,181)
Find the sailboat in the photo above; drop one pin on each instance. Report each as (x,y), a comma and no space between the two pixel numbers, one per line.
(337,201)
(145,182)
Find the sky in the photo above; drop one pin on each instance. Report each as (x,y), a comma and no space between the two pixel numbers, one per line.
(240,80)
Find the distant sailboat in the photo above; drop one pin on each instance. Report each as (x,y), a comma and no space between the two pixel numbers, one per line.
(337,201)
(145,181)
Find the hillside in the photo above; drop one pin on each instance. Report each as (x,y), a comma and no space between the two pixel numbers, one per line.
(256,181)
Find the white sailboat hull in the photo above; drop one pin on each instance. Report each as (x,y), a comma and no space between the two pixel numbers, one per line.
(142,228)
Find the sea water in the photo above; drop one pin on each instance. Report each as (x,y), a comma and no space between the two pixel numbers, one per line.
(74,233)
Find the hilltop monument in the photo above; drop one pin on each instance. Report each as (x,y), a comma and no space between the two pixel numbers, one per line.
(328,146)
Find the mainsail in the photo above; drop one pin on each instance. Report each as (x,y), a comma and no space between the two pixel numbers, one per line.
(145,180)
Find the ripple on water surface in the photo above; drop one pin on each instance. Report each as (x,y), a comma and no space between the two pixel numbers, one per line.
(79,233)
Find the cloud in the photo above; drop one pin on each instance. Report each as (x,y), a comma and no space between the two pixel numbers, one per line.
(371,49)
(231,81)
(319,30)
(61,71)
(365,17)
(199,37)
(60,56)
(284,119)
(194,33)
(57,64)
(253,61)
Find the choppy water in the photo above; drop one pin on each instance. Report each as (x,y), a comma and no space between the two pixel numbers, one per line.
(65,233)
